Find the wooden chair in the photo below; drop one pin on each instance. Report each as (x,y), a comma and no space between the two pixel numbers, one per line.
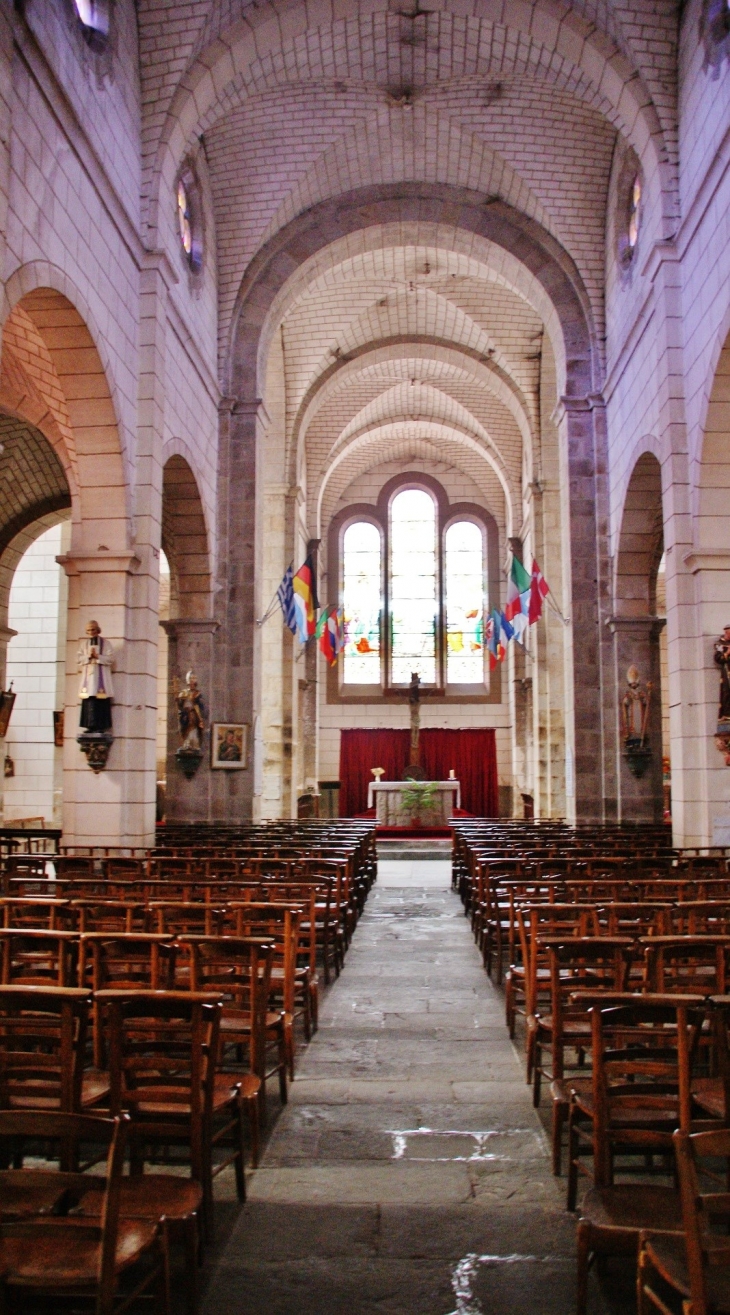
(584,963)
(686,965)
(280,924)
(140,961)
(111,916)
(43,1034)
(641,1093)
(238,971)
(38,958)
(63,1257)
(696,1267)
(34,913)
(163,1048)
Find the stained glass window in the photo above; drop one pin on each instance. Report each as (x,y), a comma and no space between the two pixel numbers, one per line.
(464,581)
(184,218)
(94,17)
(413,587)
(634,209)
(187,198)
(361,601)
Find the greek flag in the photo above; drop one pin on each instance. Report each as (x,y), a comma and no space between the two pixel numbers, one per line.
(285,595)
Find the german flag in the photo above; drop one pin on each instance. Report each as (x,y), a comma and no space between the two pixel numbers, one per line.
(305,599)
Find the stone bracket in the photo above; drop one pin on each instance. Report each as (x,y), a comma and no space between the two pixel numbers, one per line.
(96,746)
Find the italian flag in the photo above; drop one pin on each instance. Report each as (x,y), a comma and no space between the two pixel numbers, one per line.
(518,598)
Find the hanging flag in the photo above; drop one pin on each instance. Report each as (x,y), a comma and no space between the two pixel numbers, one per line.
(494,641)
(539,589)
(518,590)
(305,599)
(507,630)
(285,595)
(329,632)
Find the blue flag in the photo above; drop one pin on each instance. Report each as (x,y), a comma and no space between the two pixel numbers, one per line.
(507,630)
(285,595)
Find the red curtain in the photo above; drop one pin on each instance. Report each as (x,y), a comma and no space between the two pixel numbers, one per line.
(473,756)
(471,753)
(361,750)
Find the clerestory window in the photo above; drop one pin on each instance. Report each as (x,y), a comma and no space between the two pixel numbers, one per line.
(413,585)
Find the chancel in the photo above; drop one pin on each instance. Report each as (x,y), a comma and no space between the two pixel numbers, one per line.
(364,656)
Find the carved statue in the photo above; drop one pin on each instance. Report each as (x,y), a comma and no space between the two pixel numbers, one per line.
(191,715)
(95,660)
(722,658)
(636,708)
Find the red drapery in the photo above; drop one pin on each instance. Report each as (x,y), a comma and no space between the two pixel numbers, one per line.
(361,750)
(472,754)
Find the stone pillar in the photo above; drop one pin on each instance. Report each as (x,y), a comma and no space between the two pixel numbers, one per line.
(582,431)
(705,784)
(115,806)
(636,643)
(232,686)
(190,648)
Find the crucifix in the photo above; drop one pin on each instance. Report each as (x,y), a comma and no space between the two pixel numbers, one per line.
(414,771)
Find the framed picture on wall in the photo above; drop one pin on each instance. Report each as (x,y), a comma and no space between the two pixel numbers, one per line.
(228,745)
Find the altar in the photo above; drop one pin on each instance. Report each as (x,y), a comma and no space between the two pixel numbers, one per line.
(401,803)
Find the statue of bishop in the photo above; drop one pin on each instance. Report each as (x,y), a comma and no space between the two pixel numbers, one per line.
(95,660)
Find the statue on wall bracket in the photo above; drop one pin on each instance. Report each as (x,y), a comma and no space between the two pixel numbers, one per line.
(191,720)
(722,660)
(636,702)
(95,661)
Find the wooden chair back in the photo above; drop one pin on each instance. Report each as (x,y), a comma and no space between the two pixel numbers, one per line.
(705,1247)
(237,970)
(42,1047)
(71,1130)
(38,958)
(686,965)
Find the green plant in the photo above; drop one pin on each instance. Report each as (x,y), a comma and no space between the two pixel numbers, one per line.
(420,797)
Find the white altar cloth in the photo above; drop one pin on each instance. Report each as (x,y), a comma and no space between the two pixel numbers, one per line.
(386,796)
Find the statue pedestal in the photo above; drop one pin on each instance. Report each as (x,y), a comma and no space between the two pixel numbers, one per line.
(391,808)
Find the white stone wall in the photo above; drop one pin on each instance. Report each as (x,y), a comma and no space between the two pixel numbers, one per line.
(35,665)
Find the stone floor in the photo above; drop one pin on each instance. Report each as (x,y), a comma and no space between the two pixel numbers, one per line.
(409,1173)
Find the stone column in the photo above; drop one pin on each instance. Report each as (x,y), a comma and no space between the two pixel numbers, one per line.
(115,806)
(190,648)
(582,431)
(705,779)
(232,685)
(636,643)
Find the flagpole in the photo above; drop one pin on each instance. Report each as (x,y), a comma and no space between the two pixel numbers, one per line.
(565,620)
(270,609)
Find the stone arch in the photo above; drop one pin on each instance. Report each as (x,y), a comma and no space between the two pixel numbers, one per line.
(185,541)
(522,244)
(641,540)
(547,38)
(637,631)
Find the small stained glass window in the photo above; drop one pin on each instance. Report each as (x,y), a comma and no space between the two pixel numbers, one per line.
(634,214)
(464,572)
(184,218)
(94,16)
(188,219)
(362,602)
(413,587)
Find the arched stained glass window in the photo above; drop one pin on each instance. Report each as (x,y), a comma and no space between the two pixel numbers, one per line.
(634,213)
(361,601)
(464,588)
(413,587)
(95,19)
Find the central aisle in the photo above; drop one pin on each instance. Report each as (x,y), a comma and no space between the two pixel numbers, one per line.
(409,1173)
